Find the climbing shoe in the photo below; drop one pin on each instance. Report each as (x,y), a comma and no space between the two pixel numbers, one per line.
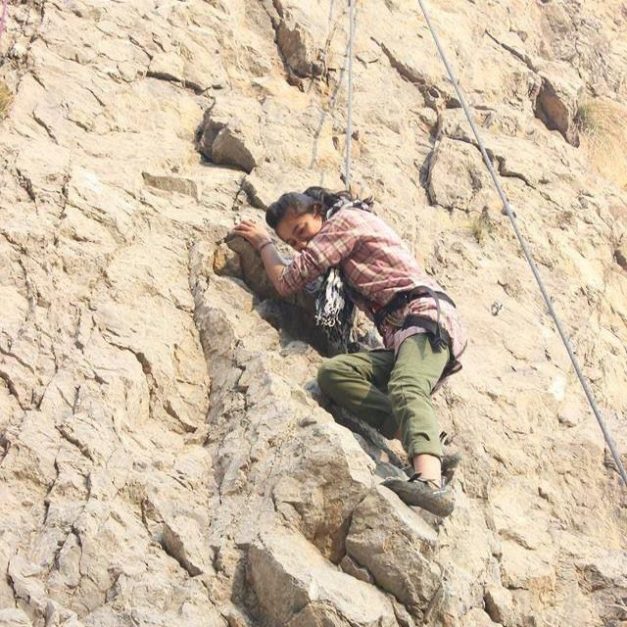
(425,494)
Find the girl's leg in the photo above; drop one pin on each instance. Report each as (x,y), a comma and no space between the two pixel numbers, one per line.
(358,382)
(416,371)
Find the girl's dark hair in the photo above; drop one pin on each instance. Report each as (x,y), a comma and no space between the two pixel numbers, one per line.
(302,203)
(292,201)
(327,199)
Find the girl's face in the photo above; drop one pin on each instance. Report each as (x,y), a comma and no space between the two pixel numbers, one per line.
(296,230)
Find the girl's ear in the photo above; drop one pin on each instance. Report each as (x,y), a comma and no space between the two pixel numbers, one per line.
(318,209)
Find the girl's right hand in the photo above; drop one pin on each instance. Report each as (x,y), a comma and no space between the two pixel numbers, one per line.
(255,234)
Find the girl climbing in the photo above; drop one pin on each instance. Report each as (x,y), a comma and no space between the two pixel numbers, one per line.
(363,261)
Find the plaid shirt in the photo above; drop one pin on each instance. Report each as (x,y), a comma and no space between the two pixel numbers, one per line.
(376,266)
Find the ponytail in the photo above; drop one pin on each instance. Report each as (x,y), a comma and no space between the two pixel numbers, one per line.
(330,199)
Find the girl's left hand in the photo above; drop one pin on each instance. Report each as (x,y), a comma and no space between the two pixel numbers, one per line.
(254,233)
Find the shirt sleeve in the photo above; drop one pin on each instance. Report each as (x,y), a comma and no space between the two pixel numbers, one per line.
(334,242)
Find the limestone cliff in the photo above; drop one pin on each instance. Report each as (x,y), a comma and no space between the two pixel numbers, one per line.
(164,459)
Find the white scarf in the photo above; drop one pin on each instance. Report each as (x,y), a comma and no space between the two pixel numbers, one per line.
(335,311)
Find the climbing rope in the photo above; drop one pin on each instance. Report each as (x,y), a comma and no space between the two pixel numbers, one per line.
(507,208)
(349,112)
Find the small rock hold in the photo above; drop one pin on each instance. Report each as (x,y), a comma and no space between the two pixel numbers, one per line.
(229,148)
(181,540)
(350,567)
(620,256)
(176,184)
(570,414)
(231,132)
(498,604)
(226,262)
(167,66)
(18,52)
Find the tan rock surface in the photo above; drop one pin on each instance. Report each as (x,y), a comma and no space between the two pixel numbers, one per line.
(163,456)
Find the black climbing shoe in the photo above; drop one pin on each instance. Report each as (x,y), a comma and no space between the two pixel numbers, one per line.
(424,494)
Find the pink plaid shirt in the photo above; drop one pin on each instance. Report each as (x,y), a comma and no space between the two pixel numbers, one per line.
(376,265)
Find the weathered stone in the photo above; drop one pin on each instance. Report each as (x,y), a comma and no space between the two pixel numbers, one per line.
(229,148)
(229,135)
(355,570)
(182,539)
(557,103)
(227,262)
(620,254)
(167,65)
(296,32)
(571,413)
(457,176)
(322,507)
(14,618)
(397,547)
(172,184)
(498,604)
(476,618)
(293,582)
(526,569)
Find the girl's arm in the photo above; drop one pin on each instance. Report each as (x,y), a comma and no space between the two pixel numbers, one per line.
(334,242)
(260,240)
(273,263)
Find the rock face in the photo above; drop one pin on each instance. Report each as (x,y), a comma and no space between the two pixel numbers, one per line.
(164,458)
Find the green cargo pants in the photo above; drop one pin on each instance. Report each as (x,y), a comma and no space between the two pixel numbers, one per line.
(391,393)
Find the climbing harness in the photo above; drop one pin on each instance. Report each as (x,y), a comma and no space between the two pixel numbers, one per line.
(436,334)
(507,209)
(404,298)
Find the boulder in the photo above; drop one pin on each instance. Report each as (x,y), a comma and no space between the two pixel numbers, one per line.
(230,133)
(294,585)
(398,549)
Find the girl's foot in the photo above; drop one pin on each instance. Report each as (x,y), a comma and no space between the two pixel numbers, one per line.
(425,494)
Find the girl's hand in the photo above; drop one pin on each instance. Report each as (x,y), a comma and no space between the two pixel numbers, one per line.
(254,233)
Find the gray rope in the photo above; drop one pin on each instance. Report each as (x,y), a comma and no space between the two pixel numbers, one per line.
(349,113)
(512,216)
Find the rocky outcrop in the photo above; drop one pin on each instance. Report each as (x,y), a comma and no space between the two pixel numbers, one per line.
(224,138)
(165,456)
(296,586)
(557,105)
(397,548)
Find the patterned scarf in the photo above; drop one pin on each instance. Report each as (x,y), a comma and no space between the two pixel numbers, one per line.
(335,311)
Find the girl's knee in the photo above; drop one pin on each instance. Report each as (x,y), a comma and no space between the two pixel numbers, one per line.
(326,375)
(330,371)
